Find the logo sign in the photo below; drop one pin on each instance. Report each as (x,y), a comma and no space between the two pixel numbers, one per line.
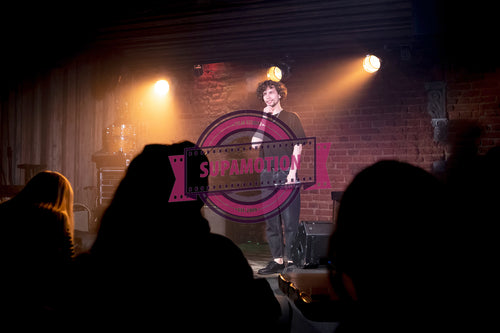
(247,181)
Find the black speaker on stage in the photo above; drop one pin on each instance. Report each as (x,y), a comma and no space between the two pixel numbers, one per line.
(311,244)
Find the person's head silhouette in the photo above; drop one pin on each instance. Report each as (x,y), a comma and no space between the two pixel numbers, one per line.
(387,241)
(140,213)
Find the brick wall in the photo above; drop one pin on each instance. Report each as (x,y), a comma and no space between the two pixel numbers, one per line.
(383,118)
(474,97)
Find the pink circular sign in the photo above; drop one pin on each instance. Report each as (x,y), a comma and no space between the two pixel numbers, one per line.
(237,192)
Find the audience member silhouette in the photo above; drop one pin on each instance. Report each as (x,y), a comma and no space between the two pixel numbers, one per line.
(389,250)
(36,247)
(473,184)
(490,184)
(463,162)
(155,263)
(481,236)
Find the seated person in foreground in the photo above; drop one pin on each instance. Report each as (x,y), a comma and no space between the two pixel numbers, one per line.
(390,251)
(156,264)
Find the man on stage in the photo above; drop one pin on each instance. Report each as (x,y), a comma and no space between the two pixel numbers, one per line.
(282,228)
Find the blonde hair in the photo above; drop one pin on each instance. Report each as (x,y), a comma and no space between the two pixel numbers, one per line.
(50,190)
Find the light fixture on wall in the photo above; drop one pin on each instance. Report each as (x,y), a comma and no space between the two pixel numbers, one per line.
(279,71)
(371,63)
(274,73)
(162,87)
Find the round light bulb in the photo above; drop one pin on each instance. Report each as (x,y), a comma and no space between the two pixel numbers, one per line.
(371,63)
(274,73)
(162,87)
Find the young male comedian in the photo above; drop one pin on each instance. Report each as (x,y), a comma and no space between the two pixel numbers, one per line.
(282,228)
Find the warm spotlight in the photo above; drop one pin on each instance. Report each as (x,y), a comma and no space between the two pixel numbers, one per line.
(371,63)
(162,87)
(274,73)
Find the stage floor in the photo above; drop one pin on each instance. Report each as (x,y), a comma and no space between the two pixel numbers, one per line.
(310,318)
(258,256)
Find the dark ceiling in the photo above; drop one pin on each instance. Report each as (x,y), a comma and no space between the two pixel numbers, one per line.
(178,32)
(41,36)
(246,30)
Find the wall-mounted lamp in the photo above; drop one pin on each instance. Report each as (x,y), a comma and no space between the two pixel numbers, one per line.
(162,87)
(279,72)
(371,63)
(274,73)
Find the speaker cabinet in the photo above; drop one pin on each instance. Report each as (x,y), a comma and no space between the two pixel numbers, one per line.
(311,244)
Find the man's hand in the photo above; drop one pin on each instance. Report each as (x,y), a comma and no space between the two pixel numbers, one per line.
(291,178)
(292,174)
(268,109)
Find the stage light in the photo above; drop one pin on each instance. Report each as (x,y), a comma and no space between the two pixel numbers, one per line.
(161,87)
(274,73)
(371,63)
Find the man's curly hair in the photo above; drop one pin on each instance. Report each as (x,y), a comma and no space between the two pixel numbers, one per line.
(280,88)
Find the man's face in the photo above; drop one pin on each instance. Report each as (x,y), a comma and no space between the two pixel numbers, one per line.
(271,96)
